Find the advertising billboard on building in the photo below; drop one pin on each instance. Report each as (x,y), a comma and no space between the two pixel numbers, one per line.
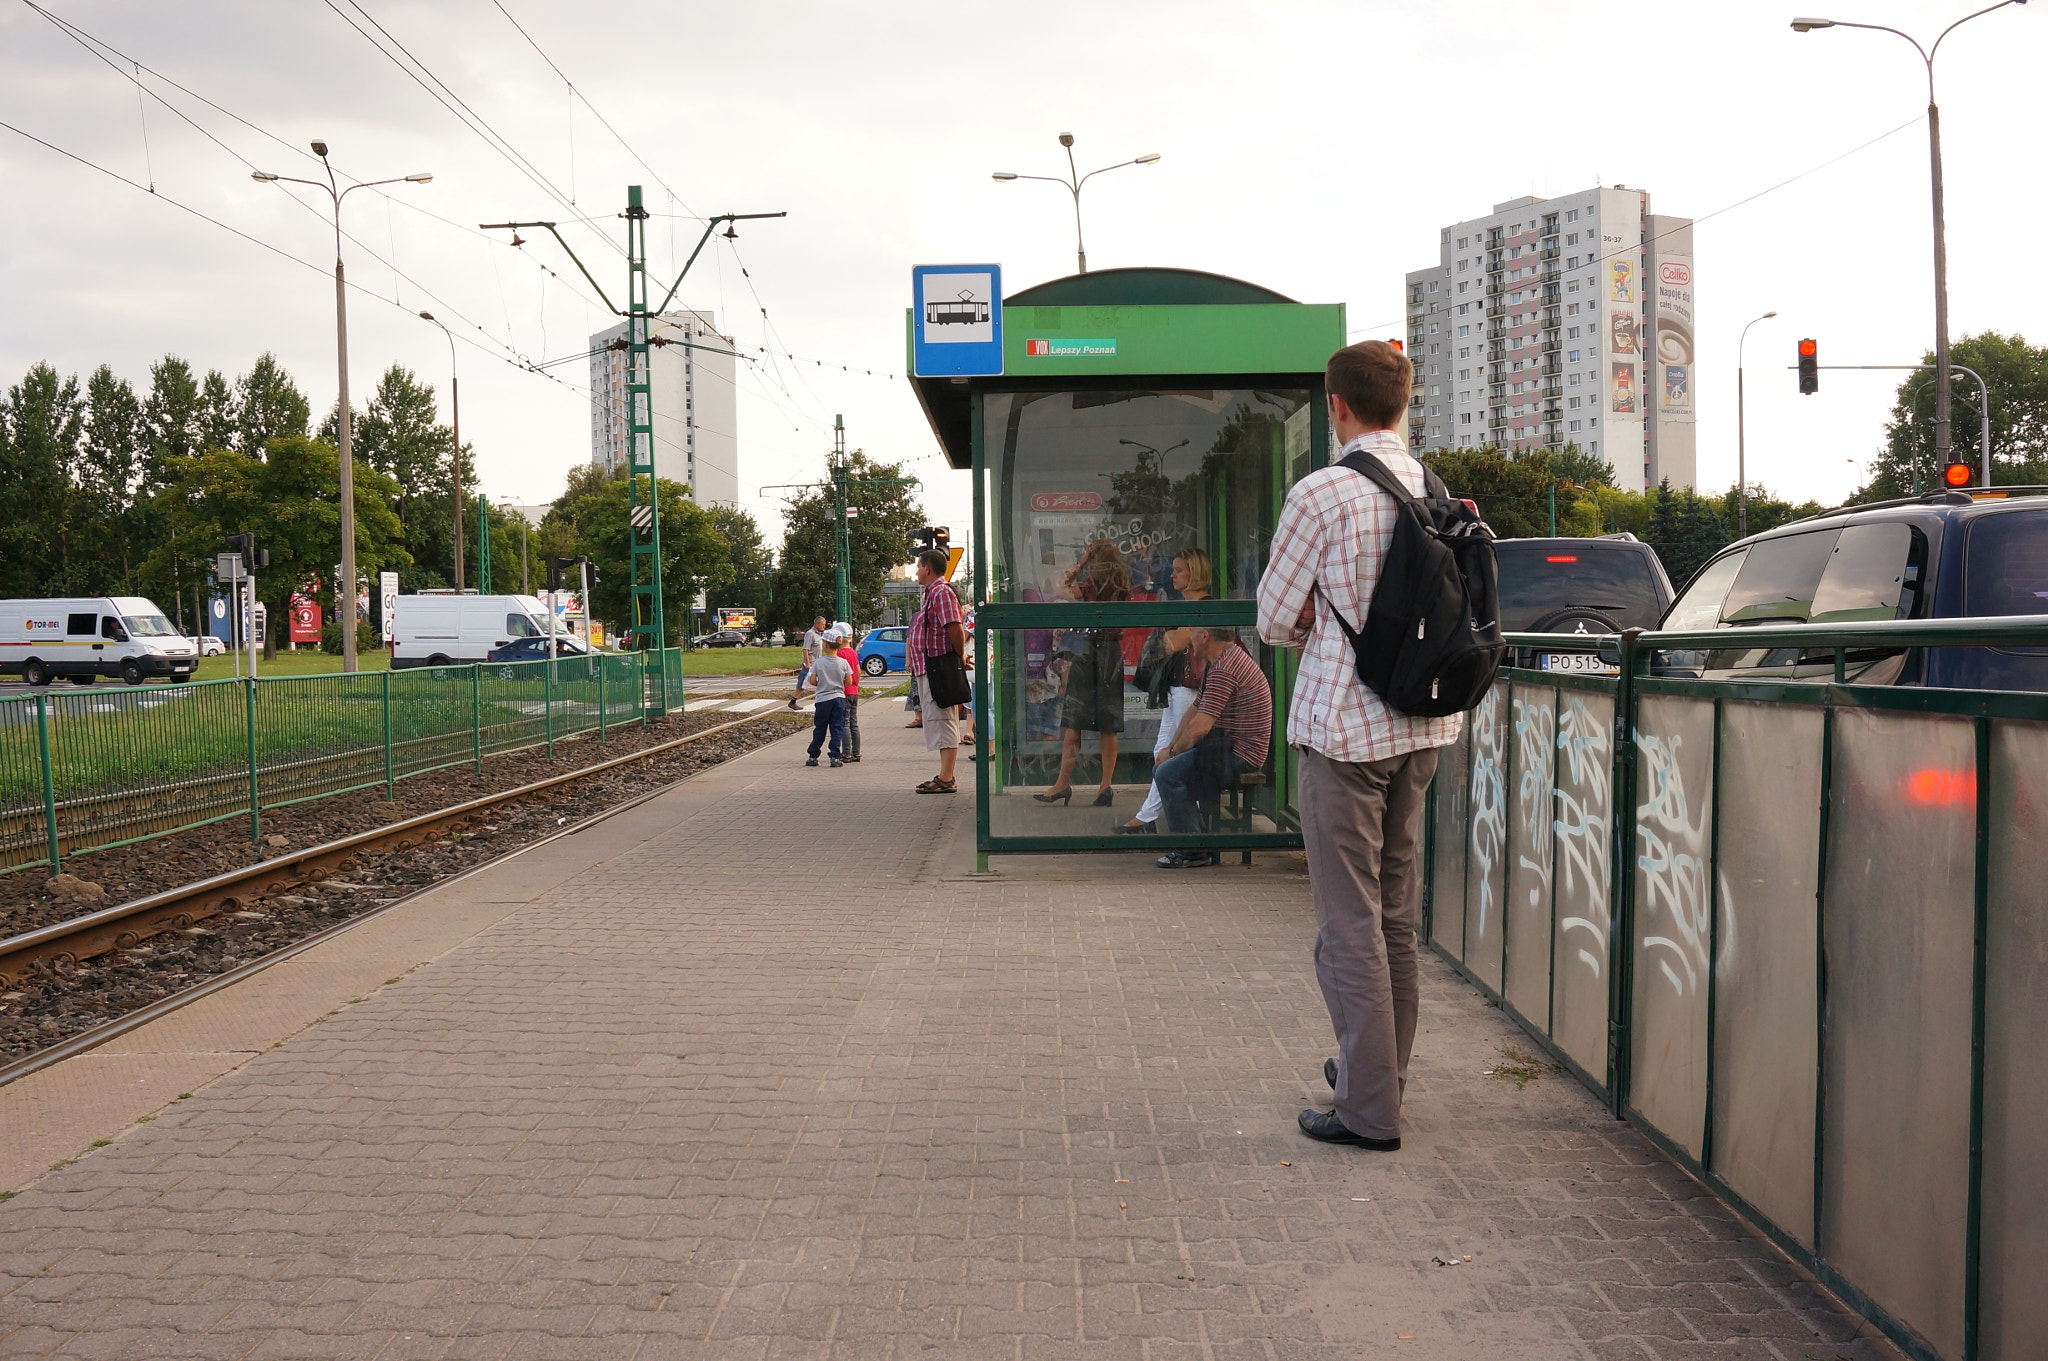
(1671,350)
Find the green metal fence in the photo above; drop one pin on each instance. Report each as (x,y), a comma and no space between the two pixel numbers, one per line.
(93,767)
(1809,959)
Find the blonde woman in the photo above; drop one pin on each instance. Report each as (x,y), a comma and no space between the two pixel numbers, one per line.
(1191,578)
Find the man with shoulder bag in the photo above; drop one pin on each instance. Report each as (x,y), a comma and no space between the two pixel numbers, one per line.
(1386,584)
(936,650)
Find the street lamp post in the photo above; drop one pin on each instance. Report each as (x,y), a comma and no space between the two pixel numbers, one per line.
(1742,438)
(455,432)
(1941,360)
(346,588)
(1073,182)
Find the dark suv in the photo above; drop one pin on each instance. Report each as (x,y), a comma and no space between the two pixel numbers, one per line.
(1945,556)
(1579,588)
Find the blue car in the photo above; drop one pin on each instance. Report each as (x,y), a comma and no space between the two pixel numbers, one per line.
(882,652)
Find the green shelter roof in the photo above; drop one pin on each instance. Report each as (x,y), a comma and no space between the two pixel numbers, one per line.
(1142,287)
(1136,324)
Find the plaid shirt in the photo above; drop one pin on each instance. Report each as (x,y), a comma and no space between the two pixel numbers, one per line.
(927,636)
(1235,694)
(1333,536)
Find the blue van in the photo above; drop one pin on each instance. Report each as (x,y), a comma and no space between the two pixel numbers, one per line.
(1949,555)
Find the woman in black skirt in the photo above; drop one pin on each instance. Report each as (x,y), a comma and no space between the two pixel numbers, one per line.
(1092,699)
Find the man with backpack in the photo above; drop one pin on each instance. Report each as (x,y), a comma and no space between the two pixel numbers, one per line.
(1344,541)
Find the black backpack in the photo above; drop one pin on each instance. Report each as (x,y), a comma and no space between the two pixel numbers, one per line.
(1431,641)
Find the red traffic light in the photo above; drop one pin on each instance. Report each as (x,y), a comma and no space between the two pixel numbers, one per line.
(1808,349)
(1398,346)
(1956,474)
(1809,366)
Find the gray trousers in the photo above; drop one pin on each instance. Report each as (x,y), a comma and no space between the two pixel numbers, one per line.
(1362,825)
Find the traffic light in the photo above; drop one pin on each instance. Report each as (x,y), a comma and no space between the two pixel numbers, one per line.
(1957,473)
(253,558)
(1809,367)
(929,537)
(942,538)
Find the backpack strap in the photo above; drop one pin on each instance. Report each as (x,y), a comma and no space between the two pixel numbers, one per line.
(1365,462)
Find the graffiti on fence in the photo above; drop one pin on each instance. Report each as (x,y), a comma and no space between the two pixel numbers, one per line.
(1671,835)
(1582,827)
(1489,800)
(1535,771)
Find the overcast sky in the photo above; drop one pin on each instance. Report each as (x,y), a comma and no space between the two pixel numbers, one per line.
(1315,148)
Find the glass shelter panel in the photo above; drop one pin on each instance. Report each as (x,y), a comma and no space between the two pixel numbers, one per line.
(1585,824)
(1766,1022)
(1486,874)
(1453,793)
(1899,923)
(1197,473)
(1529,853)
(1074,743)
(1675,793)
(2012,1307)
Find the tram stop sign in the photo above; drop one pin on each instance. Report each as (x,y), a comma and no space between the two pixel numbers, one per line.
(956,321)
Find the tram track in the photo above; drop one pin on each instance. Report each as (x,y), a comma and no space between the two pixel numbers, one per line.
(409,857)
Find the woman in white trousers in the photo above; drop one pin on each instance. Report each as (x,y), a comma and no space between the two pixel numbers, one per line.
(1191,579)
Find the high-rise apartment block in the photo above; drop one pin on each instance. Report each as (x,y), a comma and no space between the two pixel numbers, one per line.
(1560,321)
(696,413)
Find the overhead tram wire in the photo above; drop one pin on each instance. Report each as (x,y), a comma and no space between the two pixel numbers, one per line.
(425,78)
(99,48)
(510,356)
(594,113)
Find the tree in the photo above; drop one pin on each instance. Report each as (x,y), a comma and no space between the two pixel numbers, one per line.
(751,567)
(44,418)
(1765,510)
(269,406)
(2017,374)
(291,501)
(172,419)
(399,436)
(220,420)
(108,482)
(591,519)
(1514,490)
(806,578)
(1685,530)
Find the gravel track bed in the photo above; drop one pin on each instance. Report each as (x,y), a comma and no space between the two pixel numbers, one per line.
(41,1011)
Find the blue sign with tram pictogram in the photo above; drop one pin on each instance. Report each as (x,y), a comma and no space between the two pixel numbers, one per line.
(956,320)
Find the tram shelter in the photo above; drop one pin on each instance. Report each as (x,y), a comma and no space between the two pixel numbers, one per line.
(1164,413)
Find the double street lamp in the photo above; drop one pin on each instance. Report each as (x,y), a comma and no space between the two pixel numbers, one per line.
(1941,360)
(1073,182)
(345,589)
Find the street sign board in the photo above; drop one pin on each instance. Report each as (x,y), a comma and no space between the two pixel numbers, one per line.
(228,567)
(387,590)
(956,321)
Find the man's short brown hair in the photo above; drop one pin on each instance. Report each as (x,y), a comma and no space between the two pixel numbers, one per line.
(1374,379)
(935,560)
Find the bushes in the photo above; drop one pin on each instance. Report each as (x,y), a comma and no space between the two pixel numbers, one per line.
(330,638)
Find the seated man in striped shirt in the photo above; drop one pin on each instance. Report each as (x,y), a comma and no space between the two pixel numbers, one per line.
(1237,705)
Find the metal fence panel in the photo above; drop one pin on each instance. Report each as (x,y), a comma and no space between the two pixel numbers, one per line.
(2014,1309)
(318,735)
(1674,789)
(1452,792)
(431,714)
(1486,876)
(1580,951)
(1527,903)
(1898,930)
(24,836)
(130,763)
(1766,980)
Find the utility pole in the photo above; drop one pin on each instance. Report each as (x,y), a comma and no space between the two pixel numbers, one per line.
(483,546)
(840,485)
(644,587)
(842,556)
(455,420)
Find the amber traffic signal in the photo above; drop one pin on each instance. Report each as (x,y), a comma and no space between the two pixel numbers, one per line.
(1809,367)
(1956,474)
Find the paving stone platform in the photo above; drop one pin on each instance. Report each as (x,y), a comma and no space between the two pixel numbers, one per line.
(769,1074)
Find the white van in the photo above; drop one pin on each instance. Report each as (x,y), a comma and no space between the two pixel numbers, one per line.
(446,629)
(85,637)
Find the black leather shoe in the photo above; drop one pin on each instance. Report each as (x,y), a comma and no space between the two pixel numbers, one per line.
(1330,1073)
(1326,1127)
(1182,860)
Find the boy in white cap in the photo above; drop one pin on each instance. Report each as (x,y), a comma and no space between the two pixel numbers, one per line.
(842,643)
(830,675)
